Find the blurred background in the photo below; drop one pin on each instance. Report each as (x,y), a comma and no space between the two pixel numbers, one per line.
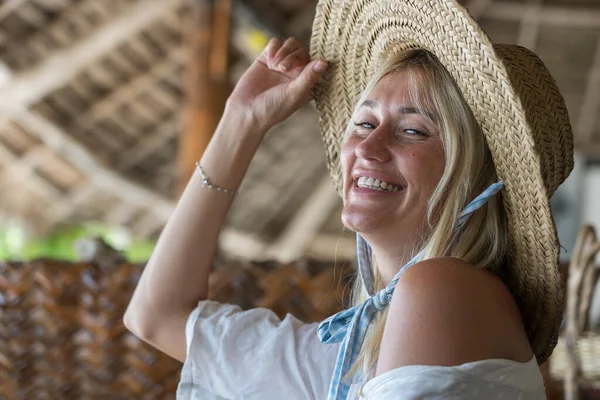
(105,105)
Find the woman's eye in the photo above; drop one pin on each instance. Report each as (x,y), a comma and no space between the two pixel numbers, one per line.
(414,132)
(365,125)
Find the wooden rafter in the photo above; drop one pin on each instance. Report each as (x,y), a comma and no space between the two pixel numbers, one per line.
(72,201)
(121,213)
(24,165)
(306,223)
(60,68)
(332,247)
(241,244)
(146,225)
(551,15)
(530,26)
(126,92)
(32,15)
(133,196)
(24,170)
(9,6)
(155,141)
(64,145)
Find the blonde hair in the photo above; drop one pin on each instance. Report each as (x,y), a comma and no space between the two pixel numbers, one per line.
(469,170)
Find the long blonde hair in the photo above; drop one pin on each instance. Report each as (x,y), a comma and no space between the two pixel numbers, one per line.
(469,170)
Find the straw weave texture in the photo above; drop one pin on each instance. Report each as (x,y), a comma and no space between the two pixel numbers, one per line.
(62,336)
(512,95)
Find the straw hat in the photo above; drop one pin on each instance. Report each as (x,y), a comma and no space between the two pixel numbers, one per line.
(512,95)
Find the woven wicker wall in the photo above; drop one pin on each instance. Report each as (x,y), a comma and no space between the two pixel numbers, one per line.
(62,336)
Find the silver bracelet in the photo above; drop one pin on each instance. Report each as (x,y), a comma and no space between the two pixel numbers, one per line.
(206,183)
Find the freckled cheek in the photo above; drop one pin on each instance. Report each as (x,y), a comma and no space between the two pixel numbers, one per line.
(345,161)
(423,167)
(435,165)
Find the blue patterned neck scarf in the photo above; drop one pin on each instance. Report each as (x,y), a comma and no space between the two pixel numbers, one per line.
(350,326)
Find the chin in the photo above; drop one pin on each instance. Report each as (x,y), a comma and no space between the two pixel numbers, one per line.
(359,222)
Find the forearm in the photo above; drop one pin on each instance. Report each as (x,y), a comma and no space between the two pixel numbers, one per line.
(176,276)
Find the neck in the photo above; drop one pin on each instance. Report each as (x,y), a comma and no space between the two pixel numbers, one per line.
(389,262)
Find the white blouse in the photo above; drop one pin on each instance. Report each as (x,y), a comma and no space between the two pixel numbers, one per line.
(253,354)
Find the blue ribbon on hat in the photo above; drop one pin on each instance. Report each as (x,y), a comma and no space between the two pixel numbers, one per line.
(350,326)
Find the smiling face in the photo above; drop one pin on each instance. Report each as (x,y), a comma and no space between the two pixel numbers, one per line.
(392,161)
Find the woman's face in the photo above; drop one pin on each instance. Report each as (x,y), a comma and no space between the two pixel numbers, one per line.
(392,161)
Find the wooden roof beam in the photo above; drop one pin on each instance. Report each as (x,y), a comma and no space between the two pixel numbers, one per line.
(150,145)
(106,105)
(326,247)
(65,146)
(551,15)
(530,26)
(8,6)
(306,224)
(332,247)
(60,68)
(241,244)
(120,214)
(24,170)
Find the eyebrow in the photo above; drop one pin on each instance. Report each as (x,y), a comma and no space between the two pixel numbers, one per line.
(403,110)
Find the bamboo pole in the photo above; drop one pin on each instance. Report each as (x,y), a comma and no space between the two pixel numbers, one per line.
(207,36)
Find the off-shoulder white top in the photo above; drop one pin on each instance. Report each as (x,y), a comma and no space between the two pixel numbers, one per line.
(252,355)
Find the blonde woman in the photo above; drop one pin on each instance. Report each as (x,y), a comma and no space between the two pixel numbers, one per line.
(445,150)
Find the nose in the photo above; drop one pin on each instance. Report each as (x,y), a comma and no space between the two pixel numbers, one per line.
(375,147)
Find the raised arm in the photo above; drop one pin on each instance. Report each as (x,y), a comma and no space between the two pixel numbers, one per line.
(176,276)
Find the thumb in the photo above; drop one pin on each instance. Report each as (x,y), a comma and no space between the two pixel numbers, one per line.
(310,75)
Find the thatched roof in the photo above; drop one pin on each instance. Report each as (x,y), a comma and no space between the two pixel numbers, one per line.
(90,113)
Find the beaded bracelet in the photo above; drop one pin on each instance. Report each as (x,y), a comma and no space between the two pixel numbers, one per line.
(206,183)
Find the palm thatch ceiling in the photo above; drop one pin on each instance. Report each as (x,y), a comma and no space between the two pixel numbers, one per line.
(90,114)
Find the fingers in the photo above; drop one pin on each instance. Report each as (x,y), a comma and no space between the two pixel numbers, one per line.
(271,50)
(311,74)
(284,56)
(289,46)
(298,58)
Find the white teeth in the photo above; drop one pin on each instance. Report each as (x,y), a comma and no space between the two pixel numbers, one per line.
(376,184)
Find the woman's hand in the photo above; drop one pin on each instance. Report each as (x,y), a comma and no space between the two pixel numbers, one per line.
(277,83)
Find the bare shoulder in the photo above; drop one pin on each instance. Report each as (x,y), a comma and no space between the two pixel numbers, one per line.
(450,275)
(445,311)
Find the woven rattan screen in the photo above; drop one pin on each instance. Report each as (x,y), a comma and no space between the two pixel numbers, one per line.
(62,336)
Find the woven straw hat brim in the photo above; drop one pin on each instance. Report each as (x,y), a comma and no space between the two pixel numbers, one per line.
(512,95)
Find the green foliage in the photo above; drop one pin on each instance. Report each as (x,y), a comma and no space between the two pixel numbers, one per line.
(16,245)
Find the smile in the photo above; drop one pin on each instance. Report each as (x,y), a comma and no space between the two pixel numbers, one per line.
(376,184)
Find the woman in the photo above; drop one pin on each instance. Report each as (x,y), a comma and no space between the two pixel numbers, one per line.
(421,117)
